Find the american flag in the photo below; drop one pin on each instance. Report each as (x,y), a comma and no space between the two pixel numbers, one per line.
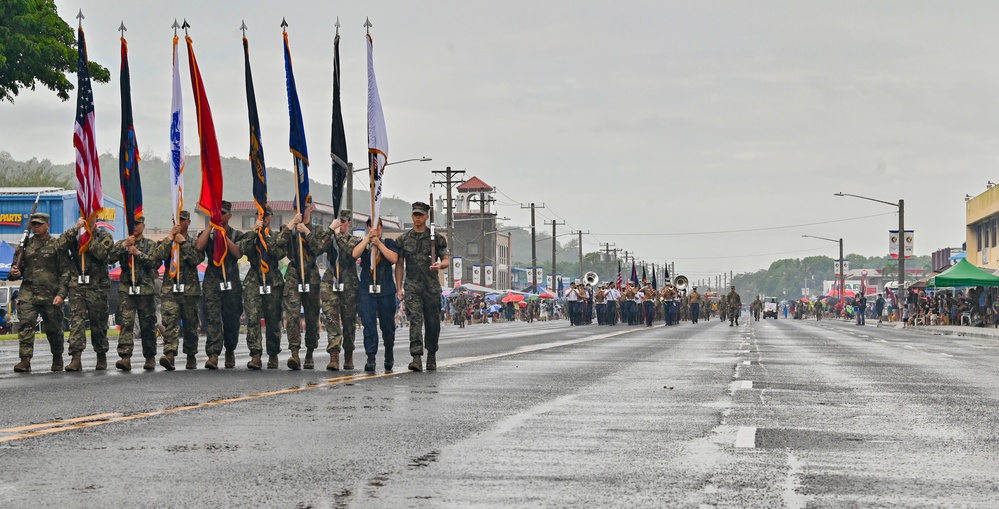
(619,280)
(89,194)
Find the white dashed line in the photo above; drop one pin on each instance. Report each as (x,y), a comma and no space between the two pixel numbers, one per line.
(746,439)
(747,384)
(946,354)
(747,363)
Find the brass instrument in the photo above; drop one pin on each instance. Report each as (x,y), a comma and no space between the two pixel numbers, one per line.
(591,278)
(681,282)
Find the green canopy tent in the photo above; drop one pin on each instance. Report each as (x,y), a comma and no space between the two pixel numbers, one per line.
(963,274)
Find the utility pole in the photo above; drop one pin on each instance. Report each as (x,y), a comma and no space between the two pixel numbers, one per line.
(554,223)
(534,246)
(350,188)
(449,183)
(482,236)
(580,233)
(607,250)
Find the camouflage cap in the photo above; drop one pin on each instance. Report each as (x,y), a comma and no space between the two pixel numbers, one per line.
(39,217)
(268,211)
(345,215)
(140,220)
(421,208)
(184,215)
(226,207)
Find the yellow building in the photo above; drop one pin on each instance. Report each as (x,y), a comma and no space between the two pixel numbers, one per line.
(982,232)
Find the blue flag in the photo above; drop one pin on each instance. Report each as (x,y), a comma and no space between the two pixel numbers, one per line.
(297,139)
(128,153)
(257,166)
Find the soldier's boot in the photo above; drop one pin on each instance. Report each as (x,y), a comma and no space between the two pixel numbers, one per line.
(348,360)
(167,361)
(212,362)
(294,362)
(124,364)
(334,364)
(272,362)
(431,361)
(192,361)
(150,364)
(230,359)
(75,364)
(24,366)
(57,362)
(309,362)
(254,363)
(102,361)
(370,364)
(417,364)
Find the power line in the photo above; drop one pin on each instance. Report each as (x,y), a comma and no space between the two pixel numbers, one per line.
(718,232)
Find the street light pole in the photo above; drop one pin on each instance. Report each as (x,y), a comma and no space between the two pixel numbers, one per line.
(842,269)
(901,234)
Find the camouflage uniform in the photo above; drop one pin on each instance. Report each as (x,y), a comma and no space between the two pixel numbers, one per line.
(44,275)
(88,301)
(461,308)
(257,305)
(340,308)
(222,307)
(181,306)
(734,306)
(294,301)
(422,289)
(146,264)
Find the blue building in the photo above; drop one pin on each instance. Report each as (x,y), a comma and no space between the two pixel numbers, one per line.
(61,205)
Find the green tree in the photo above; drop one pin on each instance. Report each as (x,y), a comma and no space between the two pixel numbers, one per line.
(32,174)
(38,47)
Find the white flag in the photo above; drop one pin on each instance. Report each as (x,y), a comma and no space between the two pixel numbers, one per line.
(176,154)
(377,136)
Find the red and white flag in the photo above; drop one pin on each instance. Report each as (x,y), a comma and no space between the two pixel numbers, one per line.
(89,193)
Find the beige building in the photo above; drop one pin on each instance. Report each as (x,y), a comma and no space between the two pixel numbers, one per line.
(982,229)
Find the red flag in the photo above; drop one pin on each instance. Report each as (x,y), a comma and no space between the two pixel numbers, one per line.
(89,193)
(211,165)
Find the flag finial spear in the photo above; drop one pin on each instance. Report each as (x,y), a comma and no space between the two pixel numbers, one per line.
(175,26)
(242,26)
(122,29)
(185,26)
(367,25)
(337,25)
(80,17)
(284,25)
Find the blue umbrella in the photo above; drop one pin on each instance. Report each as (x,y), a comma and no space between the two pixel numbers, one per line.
(492,309)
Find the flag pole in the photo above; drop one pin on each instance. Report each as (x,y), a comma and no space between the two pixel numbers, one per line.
(372,167)
(86,226)
(298,194)
(175,249)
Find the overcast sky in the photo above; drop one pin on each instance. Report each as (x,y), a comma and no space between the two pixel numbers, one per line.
(633,120)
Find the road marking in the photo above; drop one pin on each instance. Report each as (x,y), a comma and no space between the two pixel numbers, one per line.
(59,425)
(747,363)
(746,438)
(946,354)
(747,384)
(59,422)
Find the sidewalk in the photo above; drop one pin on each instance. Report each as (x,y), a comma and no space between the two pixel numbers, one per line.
(948,330)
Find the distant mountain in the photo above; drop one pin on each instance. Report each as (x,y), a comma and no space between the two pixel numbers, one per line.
(155,174)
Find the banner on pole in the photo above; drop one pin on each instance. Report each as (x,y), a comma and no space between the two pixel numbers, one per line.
(456,268)
(893,243)
(489,275)
(477,274)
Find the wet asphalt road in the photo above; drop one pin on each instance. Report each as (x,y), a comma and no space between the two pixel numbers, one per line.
(769,414)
